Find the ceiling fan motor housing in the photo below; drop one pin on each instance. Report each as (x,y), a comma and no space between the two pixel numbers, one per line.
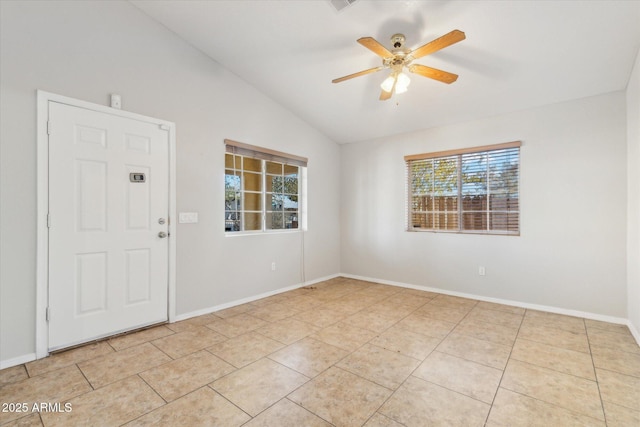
(397,41)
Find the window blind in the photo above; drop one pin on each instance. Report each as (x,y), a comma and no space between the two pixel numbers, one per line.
(248,150)
(474,190)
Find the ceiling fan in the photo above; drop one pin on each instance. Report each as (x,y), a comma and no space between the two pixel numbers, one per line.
(400,57)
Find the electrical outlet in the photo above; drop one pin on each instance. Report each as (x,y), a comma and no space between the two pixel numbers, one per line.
(273,266)
(481,271)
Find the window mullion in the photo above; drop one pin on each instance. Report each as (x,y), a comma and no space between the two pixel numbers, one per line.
(459,165)
(263,195)
(487,183)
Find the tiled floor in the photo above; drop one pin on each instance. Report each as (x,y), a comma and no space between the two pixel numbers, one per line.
(344,353)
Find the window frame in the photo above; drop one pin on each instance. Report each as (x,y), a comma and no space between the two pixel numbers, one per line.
(461,155)
(265,156)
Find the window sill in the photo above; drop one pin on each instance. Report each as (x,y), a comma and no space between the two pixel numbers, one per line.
(261,233)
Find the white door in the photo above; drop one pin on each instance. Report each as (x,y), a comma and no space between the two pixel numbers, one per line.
(108,213)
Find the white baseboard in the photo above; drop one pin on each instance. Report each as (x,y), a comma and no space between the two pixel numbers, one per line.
(550,309)
(587,315)
(230,304)
(634,331)
(8,363)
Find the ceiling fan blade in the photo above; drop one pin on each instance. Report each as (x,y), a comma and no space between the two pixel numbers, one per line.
(433,73)
(358,74)
(384,95)
(440,43)
(375,46)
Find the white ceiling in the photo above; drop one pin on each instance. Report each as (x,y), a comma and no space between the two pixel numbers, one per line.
(517,55)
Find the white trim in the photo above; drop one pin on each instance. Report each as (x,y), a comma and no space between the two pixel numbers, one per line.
(634,331)
(547,308)
(25,358)
(42,254)
(219,307)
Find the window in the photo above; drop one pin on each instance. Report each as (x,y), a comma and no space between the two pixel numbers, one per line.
(473,190)
(262,188)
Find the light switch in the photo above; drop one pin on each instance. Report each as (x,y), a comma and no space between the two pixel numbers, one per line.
(188,217)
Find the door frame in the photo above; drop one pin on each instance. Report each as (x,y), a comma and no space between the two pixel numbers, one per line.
(42,233)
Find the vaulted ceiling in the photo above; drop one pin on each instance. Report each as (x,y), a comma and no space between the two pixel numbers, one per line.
(517,55)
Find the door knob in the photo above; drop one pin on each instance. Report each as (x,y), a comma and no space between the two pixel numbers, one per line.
(162,234)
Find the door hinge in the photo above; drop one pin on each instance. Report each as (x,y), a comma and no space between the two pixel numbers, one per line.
(48,220)
(49,127)
(47,314)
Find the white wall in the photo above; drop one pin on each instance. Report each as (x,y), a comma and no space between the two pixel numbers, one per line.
(633,194)
(571,253)
(88,50)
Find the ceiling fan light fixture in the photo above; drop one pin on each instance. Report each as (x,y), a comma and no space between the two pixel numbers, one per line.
(387,84)
(402,83)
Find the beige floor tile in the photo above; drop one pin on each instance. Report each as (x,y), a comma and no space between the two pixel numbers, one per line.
(203,407)
(274,312)
(617,340)
(500,307)
(391,310)
(372,321)
(13,374)
(288,331)
(516,410)
(418,403)
(257,386)
(556,358)
(419,292)
(466,377)
(67,358)
(112,367)
(567,391)
(31,420)
(346,308)
(321,317)
(476,350)
(55,387)
(287,413)
(237,325)
(194,322)
(129,340)
(426,325)
(181,376)
(443,312)
(384,367)
(343,335)
(408,299)
(554,336)
(553,320)
(188,341)
(269,300)
(611,327)
(309,356)
(234,311)
(245,349)
(620,416)
(494,316)
(619,389)
(453,301)
(499,334)
(340,397)
(379,420)
(112,405)
(303,303)
(617,361)
(406,342)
